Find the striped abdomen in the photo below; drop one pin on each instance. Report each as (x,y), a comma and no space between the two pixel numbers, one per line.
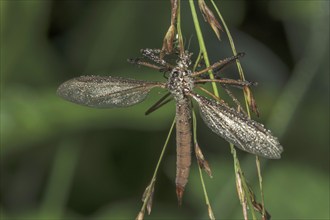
(183,145)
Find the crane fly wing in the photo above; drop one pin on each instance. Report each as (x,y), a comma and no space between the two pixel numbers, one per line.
(238,129)
(105,91)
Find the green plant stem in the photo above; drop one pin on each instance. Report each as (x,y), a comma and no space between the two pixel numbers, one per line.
(163,150)
(178,27)
(153,179)
(232,45)
(207,201)
(238,171)
(241,73)
(202,44)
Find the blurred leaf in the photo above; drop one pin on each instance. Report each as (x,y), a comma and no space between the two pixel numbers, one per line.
(299,180)
(239,7)
(295,182)
(46,115)
(301,11)
(60,181)
(41,47)
(98,39)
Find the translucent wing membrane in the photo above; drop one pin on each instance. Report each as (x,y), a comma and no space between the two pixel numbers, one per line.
(238,129)
(106,92)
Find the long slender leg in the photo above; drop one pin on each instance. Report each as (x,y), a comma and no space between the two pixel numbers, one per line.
(231,82)
(219,64)
(240,109)
(217,71)
(235,83)
(210,93)
(143,63)
(162,101)
(224,83)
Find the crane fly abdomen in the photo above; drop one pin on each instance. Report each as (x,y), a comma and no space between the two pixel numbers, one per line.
(180,83)
(184,145)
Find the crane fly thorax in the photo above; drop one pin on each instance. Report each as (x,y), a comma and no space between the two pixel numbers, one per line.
(180,83)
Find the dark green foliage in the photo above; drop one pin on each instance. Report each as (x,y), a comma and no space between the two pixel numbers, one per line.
(60,160)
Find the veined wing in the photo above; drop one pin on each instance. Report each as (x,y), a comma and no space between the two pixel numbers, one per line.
(238,129)
(106,91)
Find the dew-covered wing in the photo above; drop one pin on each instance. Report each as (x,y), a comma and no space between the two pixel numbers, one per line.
(105,91)
(238,129)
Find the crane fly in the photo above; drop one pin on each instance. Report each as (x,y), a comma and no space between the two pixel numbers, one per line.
(227,122)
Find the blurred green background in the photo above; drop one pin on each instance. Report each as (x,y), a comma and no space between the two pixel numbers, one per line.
(64,161)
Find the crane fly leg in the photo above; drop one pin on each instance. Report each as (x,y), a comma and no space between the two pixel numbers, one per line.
(162,101)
